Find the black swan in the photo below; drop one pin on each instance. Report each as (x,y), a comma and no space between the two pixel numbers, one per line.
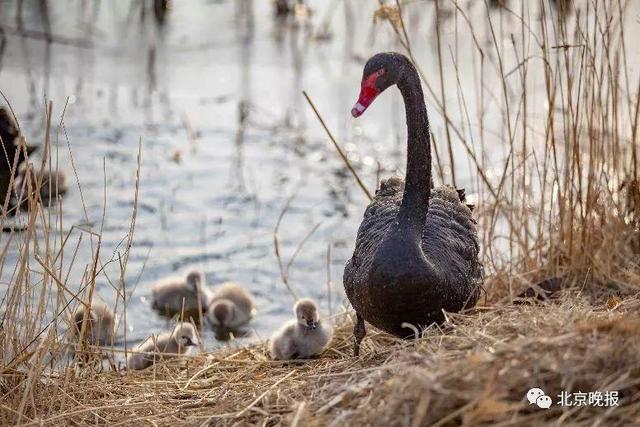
(416,252)
(8,147)
(53,184)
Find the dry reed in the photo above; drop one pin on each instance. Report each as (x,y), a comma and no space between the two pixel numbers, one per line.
(563,204)
(476,368)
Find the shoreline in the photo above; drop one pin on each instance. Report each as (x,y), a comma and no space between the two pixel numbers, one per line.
(475,369)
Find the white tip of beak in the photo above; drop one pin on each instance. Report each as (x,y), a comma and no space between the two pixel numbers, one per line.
(358,109)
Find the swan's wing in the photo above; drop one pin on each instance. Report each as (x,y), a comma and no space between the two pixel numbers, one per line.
(450,241)
(378,218)
(449,238)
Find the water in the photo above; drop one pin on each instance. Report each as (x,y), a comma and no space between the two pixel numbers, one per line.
(214,94)
(211,188)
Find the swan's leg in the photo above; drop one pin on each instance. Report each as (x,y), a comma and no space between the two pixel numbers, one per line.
(358,334)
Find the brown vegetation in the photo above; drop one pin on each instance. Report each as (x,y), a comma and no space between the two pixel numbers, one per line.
(563,206)
(476,369)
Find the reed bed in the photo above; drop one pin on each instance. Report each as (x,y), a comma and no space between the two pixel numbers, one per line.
(560,209)
(477,368)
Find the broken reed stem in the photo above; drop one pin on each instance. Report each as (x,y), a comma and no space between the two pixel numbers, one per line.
(335,144)
(276,248)
(130,235)
(304,240)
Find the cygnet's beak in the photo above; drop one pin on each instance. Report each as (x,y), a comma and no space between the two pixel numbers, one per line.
(312,324)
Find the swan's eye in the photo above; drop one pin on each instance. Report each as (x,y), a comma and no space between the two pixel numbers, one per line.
(188,342)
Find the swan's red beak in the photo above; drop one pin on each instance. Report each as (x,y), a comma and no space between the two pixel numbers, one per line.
(368,92)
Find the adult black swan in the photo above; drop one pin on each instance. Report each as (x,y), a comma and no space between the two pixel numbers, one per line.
(416,252)
(9,133)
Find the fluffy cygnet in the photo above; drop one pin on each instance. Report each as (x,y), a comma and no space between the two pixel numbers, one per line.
(230,306)
(169,294)
(303,337)
(169,344)
(100,327)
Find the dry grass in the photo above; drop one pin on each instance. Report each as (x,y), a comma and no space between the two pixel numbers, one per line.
(563,203)
(476,369)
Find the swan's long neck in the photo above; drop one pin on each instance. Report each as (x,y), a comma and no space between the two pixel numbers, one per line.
(417,190)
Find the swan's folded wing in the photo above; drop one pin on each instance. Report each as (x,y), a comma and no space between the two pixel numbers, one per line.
(450,240)
(378,218)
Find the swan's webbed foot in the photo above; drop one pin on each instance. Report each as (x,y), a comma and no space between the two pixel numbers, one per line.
(359,332)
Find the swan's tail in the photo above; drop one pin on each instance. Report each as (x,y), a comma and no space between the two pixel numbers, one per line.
(463,198)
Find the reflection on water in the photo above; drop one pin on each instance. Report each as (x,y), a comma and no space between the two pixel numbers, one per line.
(224,143)
(213,89)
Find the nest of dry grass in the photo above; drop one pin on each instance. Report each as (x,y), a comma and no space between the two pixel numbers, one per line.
(475,369)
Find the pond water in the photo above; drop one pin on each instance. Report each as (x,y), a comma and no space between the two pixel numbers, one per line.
(215,96)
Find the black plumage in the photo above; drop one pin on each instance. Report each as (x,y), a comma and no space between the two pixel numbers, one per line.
(416,251)
(12,156)
(8,136)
